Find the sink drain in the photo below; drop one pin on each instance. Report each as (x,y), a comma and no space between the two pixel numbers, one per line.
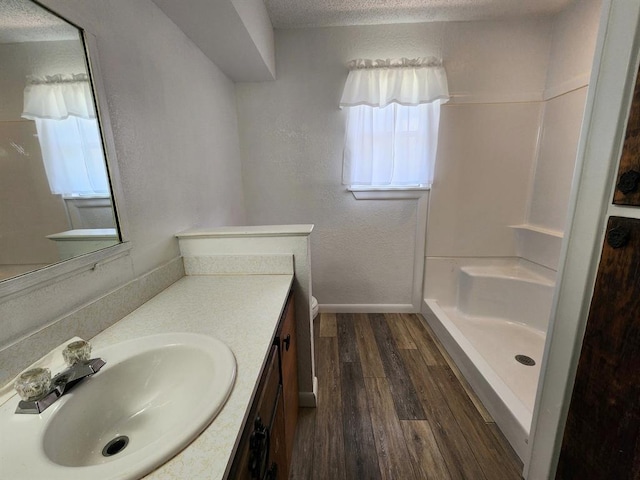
(524,360)
(115,446)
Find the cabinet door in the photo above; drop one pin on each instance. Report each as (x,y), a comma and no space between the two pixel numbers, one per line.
(289,356)
(628,182)
(251,460)
(278,460)
(601,438)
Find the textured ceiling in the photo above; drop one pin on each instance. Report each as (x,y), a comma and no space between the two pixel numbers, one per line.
(322,13)
(24,21)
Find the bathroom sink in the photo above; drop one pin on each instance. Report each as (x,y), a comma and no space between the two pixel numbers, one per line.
(153,397)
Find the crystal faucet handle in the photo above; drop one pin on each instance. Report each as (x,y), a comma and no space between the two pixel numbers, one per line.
(33,384)
(76,352)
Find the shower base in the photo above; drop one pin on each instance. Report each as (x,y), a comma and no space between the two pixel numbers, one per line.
(499,312)
(484,350)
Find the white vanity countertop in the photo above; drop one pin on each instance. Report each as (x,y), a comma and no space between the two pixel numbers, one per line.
(243,312)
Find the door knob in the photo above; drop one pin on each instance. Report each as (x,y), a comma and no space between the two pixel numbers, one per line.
(629,181)
(618,237)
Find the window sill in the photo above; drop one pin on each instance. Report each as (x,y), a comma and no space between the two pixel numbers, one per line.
(97,196)
(387,193)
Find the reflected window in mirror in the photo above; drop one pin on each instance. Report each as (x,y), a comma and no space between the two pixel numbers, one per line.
(56,199)
(68,133)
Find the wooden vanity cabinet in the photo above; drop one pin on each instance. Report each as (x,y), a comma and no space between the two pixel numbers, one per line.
(264,451)
(253,454)
(288,344)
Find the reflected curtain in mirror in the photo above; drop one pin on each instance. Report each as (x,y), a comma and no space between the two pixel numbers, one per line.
(62,108)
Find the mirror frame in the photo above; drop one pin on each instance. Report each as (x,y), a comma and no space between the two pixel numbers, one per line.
(55,272)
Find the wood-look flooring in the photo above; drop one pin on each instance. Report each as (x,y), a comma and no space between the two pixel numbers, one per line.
(392,405)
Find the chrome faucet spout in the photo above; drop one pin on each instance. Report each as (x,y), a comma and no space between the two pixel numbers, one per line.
(61,384)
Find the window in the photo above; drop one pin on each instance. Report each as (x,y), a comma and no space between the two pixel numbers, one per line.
(393,113)
(394,146)
(72,156)
(62,108)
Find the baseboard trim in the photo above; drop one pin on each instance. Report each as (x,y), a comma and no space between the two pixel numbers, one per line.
(309,399)
(367,308)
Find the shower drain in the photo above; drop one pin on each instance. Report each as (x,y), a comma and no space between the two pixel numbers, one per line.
(524,360)
(115,446)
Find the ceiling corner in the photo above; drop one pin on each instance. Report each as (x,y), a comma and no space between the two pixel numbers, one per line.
(236,35)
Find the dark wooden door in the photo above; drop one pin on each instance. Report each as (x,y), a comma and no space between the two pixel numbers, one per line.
(601,438)
(628,182)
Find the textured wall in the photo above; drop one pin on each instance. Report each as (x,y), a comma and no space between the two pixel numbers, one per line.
(173,114)
(235,34)
(33,58)
(255,18)
(292,136)
(575,31)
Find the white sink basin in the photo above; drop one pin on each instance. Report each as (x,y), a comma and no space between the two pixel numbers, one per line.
(153,397)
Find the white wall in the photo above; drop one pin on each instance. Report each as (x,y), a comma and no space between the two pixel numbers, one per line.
(235,34)
(34,58)
(292,135)
(255,17)
(173,114)
(575,31)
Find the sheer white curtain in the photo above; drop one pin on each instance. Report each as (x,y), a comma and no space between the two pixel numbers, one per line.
(391,146)
(70,141)
(392,121)
(72,156)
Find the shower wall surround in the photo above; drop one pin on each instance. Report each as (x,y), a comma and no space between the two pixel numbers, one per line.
(489,201)
(571,57)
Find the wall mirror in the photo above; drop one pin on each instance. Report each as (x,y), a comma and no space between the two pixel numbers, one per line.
(56,200)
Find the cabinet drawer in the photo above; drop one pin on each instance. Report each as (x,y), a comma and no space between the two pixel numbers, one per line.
(278,463)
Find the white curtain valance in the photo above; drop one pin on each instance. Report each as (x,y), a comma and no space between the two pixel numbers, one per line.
(404,81)
(57,97)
